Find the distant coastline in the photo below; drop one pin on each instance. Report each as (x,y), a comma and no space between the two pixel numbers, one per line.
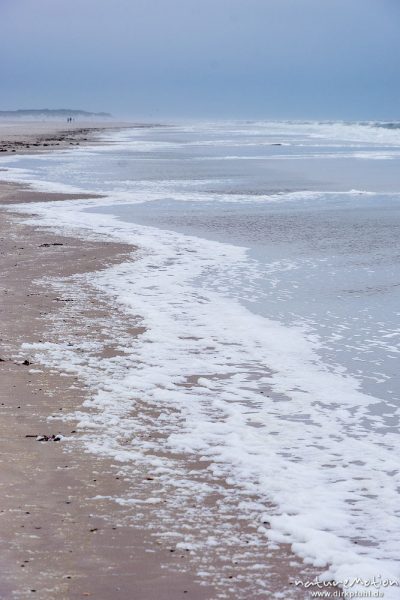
(51,113)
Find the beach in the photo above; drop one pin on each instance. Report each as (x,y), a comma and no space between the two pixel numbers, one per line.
(64,533)
(200,291)
(206,313)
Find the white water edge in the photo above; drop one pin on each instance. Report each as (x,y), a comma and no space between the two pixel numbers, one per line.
(265,409)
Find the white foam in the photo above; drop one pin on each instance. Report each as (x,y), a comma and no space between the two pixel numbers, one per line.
(28,177)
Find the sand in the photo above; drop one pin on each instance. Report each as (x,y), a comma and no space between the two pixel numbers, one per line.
(58,538)
(28,137)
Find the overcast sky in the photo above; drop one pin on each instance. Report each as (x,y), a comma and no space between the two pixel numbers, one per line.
(203,58)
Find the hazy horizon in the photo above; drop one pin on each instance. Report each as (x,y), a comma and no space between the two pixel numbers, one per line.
(223,59)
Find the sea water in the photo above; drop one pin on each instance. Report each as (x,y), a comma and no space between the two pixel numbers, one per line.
(269,271)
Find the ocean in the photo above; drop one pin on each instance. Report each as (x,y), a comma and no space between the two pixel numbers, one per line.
(267,279)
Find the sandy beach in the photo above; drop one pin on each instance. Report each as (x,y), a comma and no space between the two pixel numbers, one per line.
(200,290)
(61,533)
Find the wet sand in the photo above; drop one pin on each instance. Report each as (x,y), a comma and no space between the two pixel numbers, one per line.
(53,538)
(28,137)
(61,533)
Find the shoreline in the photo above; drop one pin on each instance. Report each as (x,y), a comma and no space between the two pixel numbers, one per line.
(34,137)
(54,538)
(163,576)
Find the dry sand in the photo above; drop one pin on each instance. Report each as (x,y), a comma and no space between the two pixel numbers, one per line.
(56,540)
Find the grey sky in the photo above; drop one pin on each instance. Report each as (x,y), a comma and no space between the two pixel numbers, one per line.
(203,58)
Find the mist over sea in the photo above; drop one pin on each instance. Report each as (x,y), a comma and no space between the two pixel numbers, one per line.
(269,270)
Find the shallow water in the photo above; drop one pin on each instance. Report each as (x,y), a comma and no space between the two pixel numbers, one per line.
(330,263)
